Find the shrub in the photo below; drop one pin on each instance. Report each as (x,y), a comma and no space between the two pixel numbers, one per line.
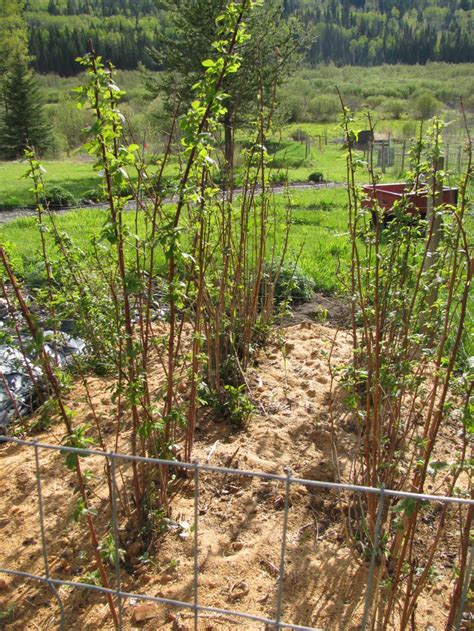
(58,197)
(374,102)
(395,108)
(316,177)
(425,105)
(278,177)
(233,405)
(237,407)
(272,146)
(324,108)
(292,285)
(95,195)
(298,134)
(293,106)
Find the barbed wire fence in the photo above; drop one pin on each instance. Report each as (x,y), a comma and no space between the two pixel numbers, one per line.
(194,605)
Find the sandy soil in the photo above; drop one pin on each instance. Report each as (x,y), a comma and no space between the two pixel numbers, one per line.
(240,519)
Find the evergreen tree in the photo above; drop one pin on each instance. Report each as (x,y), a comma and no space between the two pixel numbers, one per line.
(22,121)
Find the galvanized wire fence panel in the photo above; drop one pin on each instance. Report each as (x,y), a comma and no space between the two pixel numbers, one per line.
(194,605)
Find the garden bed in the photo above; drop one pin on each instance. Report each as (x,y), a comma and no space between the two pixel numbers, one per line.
(240,518)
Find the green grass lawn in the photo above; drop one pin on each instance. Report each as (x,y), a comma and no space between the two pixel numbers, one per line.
(318,237)
(77,176)
(288,158)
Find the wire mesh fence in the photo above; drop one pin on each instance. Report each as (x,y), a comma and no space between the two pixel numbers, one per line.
(195,604)
(392,157)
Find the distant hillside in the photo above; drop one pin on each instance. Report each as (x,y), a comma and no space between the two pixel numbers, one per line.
(356,32)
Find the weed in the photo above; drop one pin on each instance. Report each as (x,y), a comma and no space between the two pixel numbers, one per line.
(108,550)
(293,285)
(236,405)
(8,614)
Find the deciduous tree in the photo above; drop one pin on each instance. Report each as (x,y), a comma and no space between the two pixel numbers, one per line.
(13,32)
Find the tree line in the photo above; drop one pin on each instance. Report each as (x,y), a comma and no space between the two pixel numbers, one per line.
(365,33)
(356,32)
(174,35)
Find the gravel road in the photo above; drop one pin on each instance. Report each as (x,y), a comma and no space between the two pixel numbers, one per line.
(16,213)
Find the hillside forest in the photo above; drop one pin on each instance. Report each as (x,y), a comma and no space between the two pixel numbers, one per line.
(395,58)
(358,32)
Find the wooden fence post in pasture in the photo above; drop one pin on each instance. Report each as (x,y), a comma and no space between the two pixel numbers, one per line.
(404,148)
(434,228)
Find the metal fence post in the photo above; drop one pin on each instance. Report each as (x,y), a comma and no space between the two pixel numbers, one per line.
(113,493)
(196,545)
(467,581)
(281,576)
(44,548)
(375,543)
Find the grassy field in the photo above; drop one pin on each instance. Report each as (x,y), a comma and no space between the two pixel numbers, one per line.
(318,237)
(77,176)
(290,158)
(318,244)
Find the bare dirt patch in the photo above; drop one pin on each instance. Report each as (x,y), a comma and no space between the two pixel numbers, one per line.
(240,519)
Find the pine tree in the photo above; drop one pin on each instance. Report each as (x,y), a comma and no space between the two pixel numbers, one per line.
(22,120)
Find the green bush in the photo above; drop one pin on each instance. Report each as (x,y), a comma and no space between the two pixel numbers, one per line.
(95,195)
(293,285)
(57,198)
(324,108)
(234,404)
(425,105)
(298,134)
(293,106)
(278,177)
(374,102)
(237,407)
(316,177)
(395,108)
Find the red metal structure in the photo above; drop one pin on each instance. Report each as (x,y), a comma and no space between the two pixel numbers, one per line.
(387,194)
